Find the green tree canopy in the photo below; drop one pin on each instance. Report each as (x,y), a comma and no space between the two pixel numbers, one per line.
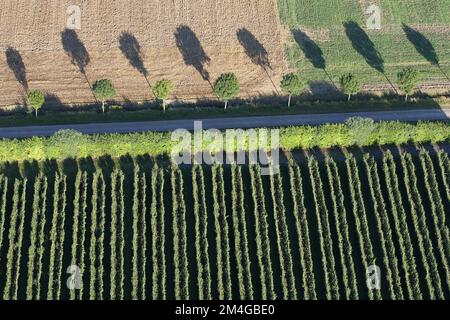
(36,100)
(407,80)
(292,85)
(104,90)
(350,84)
(162,90)
(226,87)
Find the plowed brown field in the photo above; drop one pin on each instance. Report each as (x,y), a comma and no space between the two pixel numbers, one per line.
(188,41)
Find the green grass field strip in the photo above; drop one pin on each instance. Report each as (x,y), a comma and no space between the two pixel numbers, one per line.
(438,211)
(201,234)
(57,235)
(157,222)
(15,240)
(222,235)
(262,235)
(444,162)
(326,241)
(3,200)
(304,107)
(401,227)
(36,249)
(139,235)
(117,235)
(418,216)
(384,230)
(179,237)
(359,212)
(283,241)
(240,235)
(345,246)
(301,223)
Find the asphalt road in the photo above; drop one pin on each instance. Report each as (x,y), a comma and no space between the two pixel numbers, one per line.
(225,123)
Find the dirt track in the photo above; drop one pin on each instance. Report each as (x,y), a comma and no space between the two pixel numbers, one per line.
(128,41)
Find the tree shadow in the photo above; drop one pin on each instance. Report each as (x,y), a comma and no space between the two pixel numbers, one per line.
(52,100)
(15,63)
(255,51)
(192,50)
(323,89)
(423,46)
(253,48)
(366,48)
(76,51)
(311,50)
(131,49)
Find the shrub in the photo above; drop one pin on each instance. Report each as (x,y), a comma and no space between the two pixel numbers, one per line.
(65,143)
(361,129)
(69,143)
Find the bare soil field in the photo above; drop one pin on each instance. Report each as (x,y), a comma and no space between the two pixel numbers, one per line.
(135,43)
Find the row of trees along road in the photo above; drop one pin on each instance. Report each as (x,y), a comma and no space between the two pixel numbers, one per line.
(227,87)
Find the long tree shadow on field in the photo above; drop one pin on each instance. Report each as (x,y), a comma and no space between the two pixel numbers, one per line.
(255,51)
(131,49)
(423,46)
(365,47)
(311,50)
(76,51)
(192,51)
(15,63)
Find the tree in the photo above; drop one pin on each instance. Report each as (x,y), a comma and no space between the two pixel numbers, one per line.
(226,87)
(104,90)
(293,85)
(350,84)
(408,80)
(162,90)
(36,100)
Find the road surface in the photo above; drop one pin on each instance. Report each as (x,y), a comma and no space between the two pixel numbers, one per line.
(225,123)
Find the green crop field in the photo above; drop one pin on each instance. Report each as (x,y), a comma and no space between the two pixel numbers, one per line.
(140,229)
(329,38)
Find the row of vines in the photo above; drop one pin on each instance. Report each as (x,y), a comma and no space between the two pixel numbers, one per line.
(145,230)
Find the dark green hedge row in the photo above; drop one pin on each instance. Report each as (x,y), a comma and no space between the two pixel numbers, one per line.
(363,132)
